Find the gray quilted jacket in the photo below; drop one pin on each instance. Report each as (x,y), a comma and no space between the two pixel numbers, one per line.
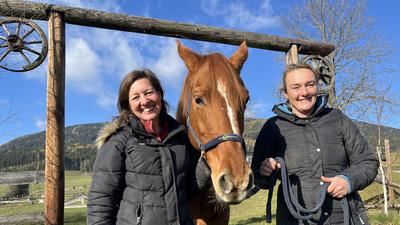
(326,144)
(139,180)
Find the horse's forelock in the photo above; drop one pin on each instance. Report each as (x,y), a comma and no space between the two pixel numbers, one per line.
(221,70)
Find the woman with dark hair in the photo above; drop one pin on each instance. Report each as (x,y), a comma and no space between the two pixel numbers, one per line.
(319,145)
(143,173)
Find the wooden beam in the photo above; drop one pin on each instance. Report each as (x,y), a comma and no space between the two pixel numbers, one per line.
(114,21)
(54,167)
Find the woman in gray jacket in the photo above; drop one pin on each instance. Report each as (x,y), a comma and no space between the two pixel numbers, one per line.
(143,173)
(319,145)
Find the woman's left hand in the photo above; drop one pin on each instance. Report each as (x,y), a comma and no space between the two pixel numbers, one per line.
(338,187)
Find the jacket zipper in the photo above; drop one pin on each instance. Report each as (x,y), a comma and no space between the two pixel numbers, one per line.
(139,213)
(361,220)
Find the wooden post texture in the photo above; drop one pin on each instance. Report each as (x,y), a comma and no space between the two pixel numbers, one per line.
(292,56)
(389,171)
(54,167)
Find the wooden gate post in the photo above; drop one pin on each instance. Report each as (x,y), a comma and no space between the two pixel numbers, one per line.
(54,168)
(292,56)
(389,172)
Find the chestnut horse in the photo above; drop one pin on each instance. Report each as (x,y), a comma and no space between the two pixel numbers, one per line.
(212,104)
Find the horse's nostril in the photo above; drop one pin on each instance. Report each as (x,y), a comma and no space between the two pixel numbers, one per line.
(225,184)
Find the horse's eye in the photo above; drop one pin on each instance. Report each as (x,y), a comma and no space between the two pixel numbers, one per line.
(199,101)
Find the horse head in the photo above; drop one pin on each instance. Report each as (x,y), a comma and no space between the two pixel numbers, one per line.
(214,97)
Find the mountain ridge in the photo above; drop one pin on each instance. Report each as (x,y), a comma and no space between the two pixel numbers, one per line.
(27,152)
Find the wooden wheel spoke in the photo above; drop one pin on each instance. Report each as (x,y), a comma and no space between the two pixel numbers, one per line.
(4,54)
(3,38)
(31,50)
(4,45)
(25,57)
(27,33)
(18,29)
(6,29)
(32,42)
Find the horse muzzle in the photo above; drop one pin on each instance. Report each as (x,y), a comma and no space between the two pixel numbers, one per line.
(233,191)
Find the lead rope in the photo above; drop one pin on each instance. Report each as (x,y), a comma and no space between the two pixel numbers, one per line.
(294,207)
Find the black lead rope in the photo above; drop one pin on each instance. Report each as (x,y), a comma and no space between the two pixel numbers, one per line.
(294,207)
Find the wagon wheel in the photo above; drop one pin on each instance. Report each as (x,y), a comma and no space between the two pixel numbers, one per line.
(326,71)
(23,45)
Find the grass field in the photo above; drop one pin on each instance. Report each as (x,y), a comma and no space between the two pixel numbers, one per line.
(249,212)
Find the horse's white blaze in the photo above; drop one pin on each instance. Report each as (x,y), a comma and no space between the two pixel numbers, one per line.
(232,119)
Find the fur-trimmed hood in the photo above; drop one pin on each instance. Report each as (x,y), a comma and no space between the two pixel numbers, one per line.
(112,127)
(105,132)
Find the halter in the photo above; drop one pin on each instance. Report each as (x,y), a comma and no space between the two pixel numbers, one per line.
(294,207)
(214,142)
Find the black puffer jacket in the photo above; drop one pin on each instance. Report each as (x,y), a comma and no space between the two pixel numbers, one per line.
(326,144)
(138,180)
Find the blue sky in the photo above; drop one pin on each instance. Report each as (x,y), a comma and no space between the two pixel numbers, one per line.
(97,59)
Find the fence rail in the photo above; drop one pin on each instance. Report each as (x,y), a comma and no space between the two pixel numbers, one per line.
(23,177)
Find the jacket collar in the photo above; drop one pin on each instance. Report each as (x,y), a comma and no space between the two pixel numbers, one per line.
(284,110)
(136,127)
(173,128)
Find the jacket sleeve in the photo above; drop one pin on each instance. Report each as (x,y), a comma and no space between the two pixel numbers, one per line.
(263,148)
(363,162)
(108,182)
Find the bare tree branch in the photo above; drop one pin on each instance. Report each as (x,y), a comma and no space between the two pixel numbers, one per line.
(359,54)
(8,118)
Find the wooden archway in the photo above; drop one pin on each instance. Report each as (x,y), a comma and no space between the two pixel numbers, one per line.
(57,16)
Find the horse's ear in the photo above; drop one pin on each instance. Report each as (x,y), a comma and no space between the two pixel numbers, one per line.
(239,57)
(188,56)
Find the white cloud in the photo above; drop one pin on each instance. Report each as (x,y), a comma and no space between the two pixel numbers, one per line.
(82,63)
(84,72)
(235,14)
(169,66)
(127,56)
(40,124)
(255,109)
(97,59)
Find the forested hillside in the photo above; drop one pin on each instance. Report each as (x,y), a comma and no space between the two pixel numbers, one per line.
(27,152)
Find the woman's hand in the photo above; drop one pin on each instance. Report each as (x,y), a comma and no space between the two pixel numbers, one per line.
(268,166)
(338,187)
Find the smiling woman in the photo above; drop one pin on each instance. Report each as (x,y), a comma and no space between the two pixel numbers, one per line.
(319,145)
(143,173)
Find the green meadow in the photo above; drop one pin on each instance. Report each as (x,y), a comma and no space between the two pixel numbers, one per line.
(249,212)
